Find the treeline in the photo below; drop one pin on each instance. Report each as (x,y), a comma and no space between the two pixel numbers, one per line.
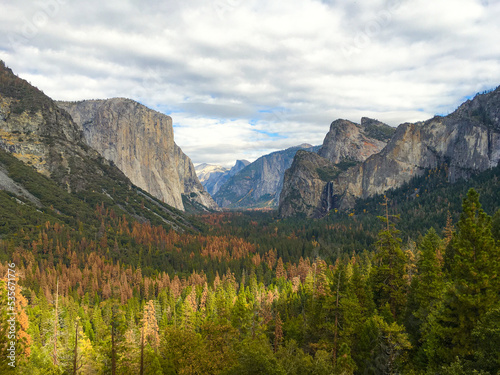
(426,308)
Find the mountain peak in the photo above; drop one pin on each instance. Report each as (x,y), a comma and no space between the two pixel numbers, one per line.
(304,145)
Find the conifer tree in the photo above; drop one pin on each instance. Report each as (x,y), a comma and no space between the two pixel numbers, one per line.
(425,292)
(495,226)
(474,284)
(389,284)
(427,285)
(278,332)
(345,364)
(150,325)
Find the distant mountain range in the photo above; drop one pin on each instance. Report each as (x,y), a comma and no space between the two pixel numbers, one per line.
(258,184)
(79,145)
(212,177)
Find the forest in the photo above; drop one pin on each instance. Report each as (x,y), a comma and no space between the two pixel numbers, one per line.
(406,283)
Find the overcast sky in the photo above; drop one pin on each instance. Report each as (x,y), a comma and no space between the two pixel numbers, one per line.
(242,78)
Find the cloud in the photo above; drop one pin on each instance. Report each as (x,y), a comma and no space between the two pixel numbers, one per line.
(243,78)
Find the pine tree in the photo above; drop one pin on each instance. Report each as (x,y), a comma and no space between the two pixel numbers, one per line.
(426,289)
(150,325)
(388,272)
(280,270)
(474,284)
(495,226)
(278,332)
(345,364)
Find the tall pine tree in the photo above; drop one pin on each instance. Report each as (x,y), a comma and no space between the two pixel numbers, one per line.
(388,281)
(473,285)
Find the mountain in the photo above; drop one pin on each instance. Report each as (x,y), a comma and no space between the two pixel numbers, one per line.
(37,132)
(259,184)
(38,136)
(306,187)
(212,177)
(140,142)
(350,142)
(465,142)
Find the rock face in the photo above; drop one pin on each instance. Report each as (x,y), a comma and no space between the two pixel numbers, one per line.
(37,132)
(140,142)
(348,141)
(260,183)
(464,142)
(304,189)
(346,145)
(212,177)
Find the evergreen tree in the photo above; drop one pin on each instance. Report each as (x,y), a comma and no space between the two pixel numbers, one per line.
(345,364)
(495,226)
(388,281)
(426,288)
(473,285)
(255,357)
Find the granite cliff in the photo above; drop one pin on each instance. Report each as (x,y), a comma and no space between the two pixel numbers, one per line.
(304,188)
(465,142)
(348,141)
(307,188)
(140,142)
(51,174)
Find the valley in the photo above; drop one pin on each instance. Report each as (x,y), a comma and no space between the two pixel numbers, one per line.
(377,252)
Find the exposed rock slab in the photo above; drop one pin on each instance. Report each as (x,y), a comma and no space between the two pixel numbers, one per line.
(140,142)
(307,184)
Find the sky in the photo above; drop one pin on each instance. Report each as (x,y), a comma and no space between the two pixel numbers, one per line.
(243,78)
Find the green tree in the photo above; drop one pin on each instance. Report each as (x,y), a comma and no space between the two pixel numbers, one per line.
(473,285)
(293,359)
(384,345)
(345,364)
(487,337)
(426,289)
(495,226)
(389,284)
(255,357)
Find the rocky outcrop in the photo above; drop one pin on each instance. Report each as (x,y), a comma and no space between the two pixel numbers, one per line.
(260,183)
(307,186)
(212,177)
(140,142)
(345,145)
(348,141)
